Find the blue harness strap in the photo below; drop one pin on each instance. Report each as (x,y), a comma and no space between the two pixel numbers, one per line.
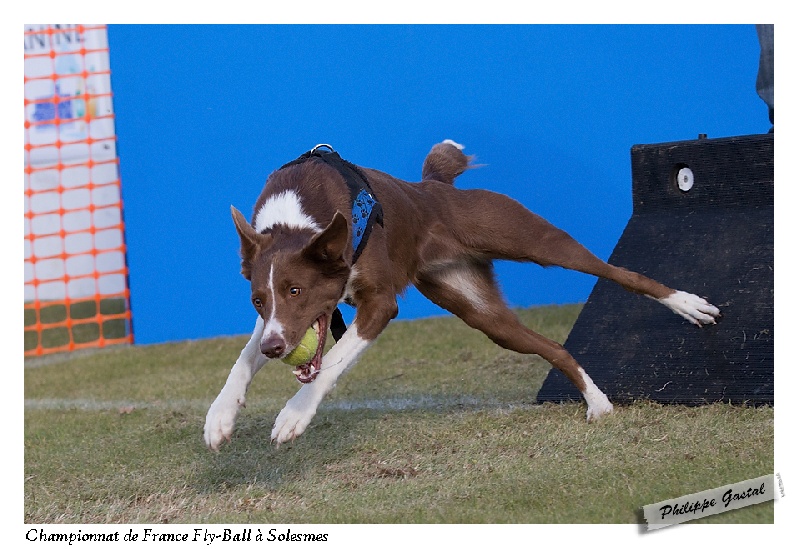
(363,206)
(366,210)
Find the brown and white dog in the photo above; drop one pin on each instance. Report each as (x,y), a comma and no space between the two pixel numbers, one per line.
(298,256)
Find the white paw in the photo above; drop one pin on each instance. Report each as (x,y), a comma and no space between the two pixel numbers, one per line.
(693,308)
(293,419)
(220,420)
(599,406)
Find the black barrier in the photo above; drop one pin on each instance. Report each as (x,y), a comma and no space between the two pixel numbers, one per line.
(702,222)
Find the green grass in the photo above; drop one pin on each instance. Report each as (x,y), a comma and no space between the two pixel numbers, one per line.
(435,425)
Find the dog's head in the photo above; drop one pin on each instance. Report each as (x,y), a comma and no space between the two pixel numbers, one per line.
(297,277)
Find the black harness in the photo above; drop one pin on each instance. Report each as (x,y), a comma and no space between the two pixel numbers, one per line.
(366,210)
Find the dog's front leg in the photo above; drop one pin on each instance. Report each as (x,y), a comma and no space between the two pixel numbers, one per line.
(222,414)
(301,408)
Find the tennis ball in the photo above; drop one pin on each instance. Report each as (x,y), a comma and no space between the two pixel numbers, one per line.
(305,350)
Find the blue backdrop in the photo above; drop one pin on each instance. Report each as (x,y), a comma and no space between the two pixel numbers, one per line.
(205,113)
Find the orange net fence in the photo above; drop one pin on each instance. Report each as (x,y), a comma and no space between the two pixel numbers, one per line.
(76,275)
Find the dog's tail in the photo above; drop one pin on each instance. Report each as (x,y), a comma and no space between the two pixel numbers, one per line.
(445,162)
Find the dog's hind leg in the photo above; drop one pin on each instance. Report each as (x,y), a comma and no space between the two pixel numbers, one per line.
(501,227)
(222,414)
(469,291)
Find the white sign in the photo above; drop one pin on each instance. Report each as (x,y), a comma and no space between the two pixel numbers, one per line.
(710,502)
(73,231)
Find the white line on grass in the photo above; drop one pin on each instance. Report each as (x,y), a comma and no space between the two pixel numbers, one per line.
(419,402)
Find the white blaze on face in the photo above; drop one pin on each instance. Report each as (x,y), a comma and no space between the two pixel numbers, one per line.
(272,326)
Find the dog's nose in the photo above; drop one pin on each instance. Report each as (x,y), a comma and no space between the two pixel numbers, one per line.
(273,346)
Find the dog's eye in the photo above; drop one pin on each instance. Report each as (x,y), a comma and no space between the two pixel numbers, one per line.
(294,291)
(257,302)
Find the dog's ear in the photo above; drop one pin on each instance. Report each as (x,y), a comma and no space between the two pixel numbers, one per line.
(252,242)
(330,246)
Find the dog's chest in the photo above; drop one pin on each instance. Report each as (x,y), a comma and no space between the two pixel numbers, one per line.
(350,288)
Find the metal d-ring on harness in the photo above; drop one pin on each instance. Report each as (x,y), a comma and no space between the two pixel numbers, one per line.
(366,210)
